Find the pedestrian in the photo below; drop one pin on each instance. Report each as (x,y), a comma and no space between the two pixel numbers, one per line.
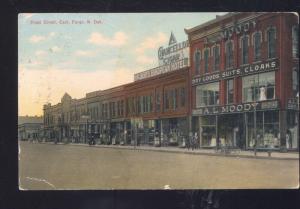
(288,140)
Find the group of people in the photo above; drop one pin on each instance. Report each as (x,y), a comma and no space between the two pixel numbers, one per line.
(192,141)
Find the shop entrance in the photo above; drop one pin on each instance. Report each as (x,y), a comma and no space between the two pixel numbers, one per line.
(231,130)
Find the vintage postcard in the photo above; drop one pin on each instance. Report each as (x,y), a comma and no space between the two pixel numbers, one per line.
(158,101)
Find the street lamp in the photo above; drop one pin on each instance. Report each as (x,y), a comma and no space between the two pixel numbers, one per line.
(254,118)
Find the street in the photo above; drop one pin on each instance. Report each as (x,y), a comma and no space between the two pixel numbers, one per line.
(49,166)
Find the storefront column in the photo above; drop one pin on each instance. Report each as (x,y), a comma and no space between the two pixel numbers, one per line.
(200,131)
(125,131)
(282,128)
(217,136)
(161,131)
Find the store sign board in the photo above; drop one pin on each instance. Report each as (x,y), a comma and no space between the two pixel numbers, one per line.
(162,69)
(173,57)
(174,52)
(239,108)
(242,71)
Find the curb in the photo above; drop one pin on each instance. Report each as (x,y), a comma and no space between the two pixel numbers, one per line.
(178,151)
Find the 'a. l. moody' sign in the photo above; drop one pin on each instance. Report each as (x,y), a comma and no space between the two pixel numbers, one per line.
(245,107)
(242,71)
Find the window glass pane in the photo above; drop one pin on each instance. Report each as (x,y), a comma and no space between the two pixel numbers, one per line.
(207,94)
(216,54)
(229,54)
(245,50)
(230,91)
(206,54)
(197,62)
(259,87)
(271,42)
(295,37)
(257,46)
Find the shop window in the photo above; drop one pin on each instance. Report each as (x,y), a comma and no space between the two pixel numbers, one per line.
(271,38)
(229,54)
(197,60)
(206,60)
(257,39)
(216,55)
(182,97)
(259,87)
(207,94)
(208,131)
(266,129)
(244,43)
(230,90)
(295,38)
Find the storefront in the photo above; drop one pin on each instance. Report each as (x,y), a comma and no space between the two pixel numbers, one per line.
(292,134)
(237,125)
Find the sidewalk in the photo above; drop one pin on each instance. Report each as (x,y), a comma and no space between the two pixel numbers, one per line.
(210,152)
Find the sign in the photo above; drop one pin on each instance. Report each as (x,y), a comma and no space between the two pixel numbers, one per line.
(239,108)
(238,28)
(242,71)
(174,52)
(162,69)
(171,58)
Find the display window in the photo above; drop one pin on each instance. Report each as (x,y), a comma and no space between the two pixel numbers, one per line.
(208,131)
(259,87)
(266,129)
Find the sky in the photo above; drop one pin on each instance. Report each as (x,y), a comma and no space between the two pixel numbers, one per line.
(79,53)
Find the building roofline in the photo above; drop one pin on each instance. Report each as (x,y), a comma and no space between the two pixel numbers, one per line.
(217,19)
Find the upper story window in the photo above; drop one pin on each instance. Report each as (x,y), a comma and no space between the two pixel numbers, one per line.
(216,55)
(295,81)
(230,91)
(182,96)
(271,38)
(229,54)
(206,59)
(295,38)
(257,40)
(207,94)
(197,60)
(157,101)
(259,87)
(244,44)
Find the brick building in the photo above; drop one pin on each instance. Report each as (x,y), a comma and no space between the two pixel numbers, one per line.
(244,80)
(152,110)
(237,86)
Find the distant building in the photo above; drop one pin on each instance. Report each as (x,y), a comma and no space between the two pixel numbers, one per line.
(30,127)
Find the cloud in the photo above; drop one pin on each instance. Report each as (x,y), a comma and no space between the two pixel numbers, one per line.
(39,86)
(84,53)
(143,59)
(118,39)
(39,38)
(36,38)
(40,53)
(55,49)
(152,42)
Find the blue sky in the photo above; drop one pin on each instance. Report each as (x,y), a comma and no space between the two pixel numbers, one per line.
(80,58)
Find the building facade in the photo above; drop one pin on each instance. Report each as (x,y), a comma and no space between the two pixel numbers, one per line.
(30,128)
(244,79)
(237,87)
